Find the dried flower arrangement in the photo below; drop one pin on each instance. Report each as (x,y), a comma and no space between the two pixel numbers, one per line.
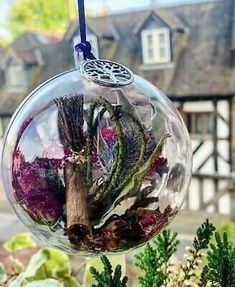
(77,193)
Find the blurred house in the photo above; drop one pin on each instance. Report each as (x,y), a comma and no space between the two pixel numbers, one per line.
(188,51)
(30,60)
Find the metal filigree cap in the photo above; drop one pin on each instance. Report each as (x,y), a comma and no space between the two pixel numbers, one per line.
(107,73)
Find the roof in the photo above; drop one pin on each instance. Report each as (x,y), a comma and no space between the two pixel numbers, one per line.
(56,58)
(27,56)
(120,23)
(32,39)
(233,29)
(205,63)
(202,63)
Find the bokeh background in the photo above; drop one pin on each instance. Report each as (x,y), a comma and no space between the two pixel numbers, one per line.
(186,48)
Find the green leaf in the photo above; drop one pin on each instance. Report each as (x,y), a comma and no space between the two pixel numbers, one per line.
(3,276)
(17,266)
(108,277)
(98,265)
(154,258)
(203,236)
(221,262)
(47,263)
(166,244)
(70,281)
(19,242)
(45,283)
(140,173)
(229,228)
(57,264)
(34,265)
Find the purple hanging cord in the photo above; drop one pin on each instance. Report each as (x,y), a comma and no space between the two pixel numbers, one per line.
(84,46)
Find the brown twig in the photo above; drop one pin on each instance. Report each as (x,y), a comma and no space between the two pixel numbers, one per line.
(70,122)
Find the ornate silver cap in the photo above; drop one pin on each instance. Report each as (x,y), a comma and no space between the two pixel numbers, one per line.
(107,73)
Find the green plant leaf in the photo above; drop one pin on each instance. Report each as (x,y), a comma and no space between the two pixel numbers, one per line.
(229,228)
(34,265)
(154,258)
(221,262)
(57,264)
(19,242)
(17,266)
(3,276)
(45,283)
(108,277)
(97,263)
(70,281)
(45,264)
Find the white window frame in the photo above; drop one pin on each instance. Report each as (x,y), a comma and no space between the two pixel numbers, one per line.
(15,76)
(157,46)
(93,41)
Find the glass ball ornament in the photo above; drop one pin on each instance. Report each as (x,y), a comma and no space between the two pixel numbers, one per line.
(96,160)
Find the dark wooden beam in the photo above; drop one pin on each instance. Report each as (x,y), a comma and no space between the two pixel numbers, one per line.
(214,176)
(202,97)
(231,134)
(215,149)
(198,147)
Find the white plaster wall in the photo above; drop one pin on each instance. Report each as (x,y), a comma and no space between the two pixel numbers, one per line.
(224,204)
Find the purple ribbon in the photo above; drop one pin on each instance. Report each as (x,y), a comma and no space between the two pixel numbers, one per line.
(83,47)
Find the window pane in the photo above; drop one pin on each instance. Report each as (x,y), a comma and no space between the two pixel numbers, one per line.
(162,39)
(15,75)
(150,40)
(208,123)
(162,52)
(198,123)
(150,53)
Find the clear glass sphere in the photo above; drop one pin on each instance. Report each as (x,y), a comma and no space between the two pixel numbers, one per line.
(93,169)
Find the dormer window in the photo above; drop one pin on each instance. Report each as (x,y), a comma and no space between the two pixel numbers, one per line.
(93,41)
(15,77)
(156,46)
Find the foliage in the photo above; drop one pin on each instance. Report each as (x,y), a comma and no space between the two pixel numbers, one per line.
(52,268)
(108,277)
(201,241)
(50,15)
(88,279)
(167,243)
(161,271)
(153,260)
(47,263)
(229,228)
(149,262)
(45,283)
(19,242)
(3,43)
(3,277)
(221,262)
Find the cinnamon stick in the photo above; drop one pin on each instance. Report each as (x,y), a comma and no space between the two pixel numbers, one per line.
(70,124)
(78,225)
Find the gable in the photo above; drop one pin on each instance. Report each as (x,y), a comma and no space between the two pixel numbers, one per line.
(153,22)
(11,59)
(73,32)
